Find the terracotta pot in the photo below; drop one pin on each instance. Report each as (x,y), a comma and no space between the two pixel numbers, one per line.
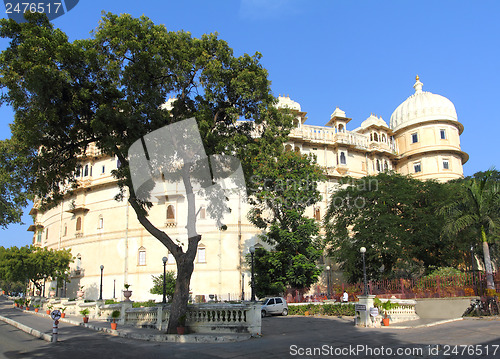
(127,294)
(48,311)
(63,315)
(385,321)
(16,305)
(85,319)
(27,308)
(114,325)
(36,310)
(181,330)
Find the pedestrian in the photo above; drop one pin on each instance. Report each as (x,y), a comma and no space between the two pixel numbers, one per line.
(345,297)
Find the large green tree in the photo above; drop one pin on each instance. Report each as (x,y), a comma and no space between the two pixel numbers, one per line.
(34,264)
(109,90)
(169,285)
(283,187)
(476,212)
(395,218)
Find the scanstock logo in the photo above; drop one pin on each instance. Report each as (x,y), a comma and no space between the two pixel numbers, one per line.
(15,9)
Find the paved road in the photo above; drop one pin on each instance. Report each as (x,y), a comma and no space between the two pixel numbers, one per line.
(280,334)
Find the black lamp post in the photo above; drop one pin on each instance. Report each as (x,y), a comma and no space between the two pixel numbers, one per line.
(164,259)
(242,286)
(44,280)
(363,250)
(252,284)
(114,288)
(328,286)
(100,291)
(473,270)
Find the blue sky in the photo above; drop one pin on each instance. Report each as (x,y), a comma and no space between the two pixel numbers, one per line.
(361,56)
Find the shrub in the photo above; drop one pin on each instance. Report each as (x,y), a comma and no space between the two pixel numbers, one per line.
(325,309)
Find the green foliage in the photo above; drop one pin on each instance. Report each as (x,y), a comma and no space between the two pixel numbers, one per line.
(110,301)
(395,218)
(324,309)
(444,272)
(281,190)
(115,314)
(149,303)
(32,263)
(169,285)
(475,214)
(85,312)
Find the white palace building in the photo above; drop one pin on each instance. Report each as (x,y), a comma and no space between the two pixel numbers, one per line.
(422,139)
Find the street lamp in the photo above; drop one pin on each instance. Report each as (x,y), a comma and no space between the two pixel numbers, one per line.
(242,286)
(66,274)
(164,259)
(363,250)
(252,284)
(44,280)
(100,291)
(473,270)
(328,282)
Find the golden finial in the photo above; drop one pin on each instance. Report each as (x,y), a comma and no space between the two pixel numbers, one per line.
(417,78)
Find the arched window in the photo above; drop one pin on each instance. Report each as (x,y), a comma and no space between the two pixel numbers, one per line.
(386,166)
(142,256)
(46,234)
(288,148)
(317,214)
(78,261)
(86,171)
(297,149)
(378,165)
(100,222)
(79,224)
(341,128)
(201,255)
(65,229)
(375,137)
(170,212)
(342,158)
(39,236)
(384,139)
(371,136)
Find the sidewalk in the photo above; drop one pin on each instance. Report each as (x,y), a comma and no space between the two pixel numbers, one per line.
(40,325)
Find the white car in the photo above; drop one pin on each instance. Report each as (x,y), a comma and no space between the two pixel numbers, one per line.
(274,306)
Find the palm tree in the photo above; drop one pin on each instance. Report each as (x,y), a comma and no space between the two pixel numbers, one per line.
(478,210)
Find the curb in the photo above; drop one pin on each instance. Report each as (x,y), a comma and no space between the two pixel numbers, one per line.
(25,328)
(425,325)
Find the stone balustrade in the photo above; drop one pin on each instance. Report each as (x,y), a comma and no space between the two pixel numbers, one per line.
(403,313)
(217,318)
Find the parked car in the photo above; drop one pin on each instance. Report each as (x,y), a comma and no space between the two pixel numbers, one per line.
(274,306)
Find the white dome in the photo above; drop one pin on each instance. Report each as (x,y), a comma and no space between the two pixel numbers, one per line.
(421,107)
(373,120)
(286,102)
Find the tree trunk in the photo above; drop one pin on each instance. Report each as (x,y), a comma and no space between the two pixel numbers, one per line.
(490,284)
(178,308)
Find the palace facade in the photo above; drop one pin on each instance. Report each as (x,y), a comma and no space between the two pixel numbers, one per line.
(422,139)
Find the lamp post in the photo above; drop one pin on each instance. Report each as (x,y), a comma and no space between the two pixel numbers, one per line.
(328,289)
(252,283)
(164,259)
(242,286)
(363,250)
(66,274)
(44,280)
(473,270)
(114,288)
(100,290)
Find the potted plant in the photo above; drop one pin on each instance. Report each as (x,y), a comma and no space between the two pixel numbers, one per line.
(62,312)
(115,315)
(386,306)
(52,292)
(85,312)
(127,293)
(37,308)
(49,309)
(80,293)
(181,326)
(27,303)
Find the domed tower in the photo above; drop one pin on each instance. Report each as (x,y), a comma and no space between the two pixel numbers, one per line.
(427,133)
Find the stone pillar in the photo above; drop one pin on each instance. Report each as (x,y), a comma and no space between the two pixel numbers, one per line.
(365,302)
(125,305)
(254,318)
